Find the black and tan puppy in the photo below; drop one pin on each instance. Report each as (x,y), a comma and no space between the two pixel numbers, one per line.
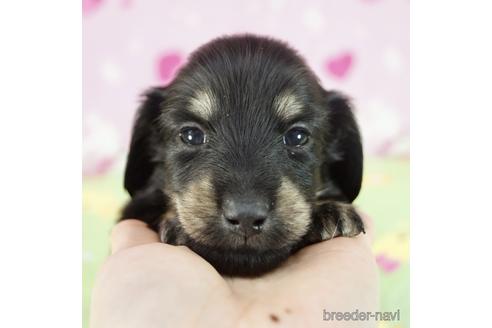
(244,158)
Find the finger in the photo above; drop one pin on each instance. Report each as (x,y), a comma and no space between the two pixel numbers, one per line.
(130,233)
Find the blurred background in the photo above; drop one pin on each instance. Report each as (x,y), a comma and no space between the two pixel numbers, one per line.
(360,47)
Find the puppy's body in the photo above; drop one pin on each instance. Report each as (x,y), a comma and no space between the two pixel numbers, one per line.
(244,158)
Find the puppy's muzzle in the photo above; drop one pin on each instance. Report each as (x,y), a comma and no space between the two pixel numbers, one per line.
(246,216)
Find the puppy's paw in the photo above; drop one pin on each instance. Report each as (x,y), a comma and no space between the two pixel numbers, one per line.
(170,232)
(337,219)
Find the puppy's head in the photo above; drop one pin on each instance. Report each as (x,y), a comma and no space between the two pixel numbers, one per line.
(242,143)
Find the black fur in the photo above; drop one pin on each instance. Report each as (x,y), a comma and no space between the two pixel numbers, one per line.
(244,155)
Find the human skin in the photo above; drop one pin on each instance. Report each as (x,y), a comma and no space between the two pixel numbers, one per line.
(145,283)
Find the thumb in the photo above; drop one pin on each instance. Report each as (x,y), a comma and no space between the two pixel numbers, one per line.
(131,233)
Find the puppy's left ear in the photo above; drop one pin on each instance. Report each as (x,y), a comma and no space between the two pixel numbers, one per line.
(341,169)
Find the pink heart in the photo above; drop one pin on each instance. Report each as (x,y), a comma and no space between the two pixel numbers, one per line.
(89,6)
(168,65)
(339,65)
(387,264)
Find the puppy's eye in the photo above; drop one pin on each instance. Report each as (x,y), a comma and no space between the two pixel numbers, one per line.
(192,136)
(296,137)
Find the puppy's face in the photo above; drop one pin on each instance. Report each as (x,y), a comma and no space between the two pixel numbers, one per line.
(238,144)
(240,169)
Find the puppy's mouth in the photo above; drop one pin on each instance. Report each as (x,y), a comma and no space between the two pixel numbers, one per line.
(241,261)
(233,254)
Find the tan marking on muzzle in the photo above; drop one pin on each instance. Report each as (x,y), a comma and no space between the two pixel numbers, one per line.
(287,105)
(293,209)
(196,206)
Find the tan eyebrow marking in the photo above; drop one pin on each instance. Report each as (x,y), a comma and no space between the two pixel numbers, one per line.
(287,105)
(202,104)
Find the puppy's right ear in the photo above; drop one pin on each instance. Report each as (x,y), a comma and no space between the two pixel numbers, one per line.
(140,162)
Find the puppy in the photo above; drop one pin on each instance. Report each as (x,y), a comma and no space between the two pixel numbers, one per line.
(244,157)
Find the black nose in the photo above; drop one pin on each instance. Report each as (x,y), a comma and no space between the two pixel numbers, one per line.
(246,215)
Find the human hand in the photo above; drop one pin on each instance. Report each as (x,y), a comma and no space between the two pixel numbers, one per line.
(145,283)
